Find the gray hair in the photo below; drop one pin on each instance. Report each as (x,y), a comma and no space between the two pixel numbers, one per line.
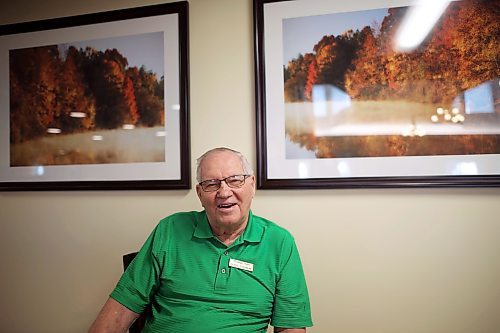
(247,168)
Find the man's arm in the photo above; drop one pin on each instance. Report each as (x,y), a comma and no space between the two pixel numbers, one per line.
(289,330)
(113,318)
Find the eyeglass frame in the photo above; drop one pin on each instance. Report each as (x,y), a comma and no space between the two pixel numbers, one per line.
(225,181)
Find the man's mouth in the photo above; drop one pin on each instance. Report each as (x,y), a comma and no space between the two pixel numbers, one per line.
(226,206)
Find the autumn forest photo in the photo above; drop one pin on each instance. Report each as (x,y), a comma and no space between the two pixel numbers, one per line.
(87,102)
(350,92)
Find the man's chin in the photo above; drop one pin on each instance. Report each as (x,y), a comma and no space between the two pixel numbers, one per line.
(229,220)
(232,221)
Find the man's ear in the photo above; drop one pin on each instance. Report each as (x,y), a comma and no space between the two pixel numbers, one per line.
(198,191)
(254,185)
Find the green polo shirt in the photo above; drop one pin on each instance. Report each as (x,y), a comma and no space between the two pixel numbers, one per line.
(195,283)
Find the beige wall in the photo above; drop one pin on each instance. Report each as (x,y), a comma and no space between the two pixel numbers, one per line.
(377,261)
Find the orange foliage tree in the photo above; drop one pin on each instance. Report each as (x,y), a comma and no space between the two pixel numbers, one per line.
(461,52)
(78,90)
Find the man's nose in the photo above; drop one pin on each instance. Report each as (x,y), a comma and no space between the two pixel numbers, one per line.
(224,191)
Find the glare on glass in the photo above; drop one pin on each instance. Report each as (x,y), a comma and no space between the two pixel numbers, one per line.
(235,181)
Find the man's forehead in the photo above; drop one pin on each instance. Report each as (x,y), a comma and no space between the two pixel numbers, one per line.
(219,155)
(221,160)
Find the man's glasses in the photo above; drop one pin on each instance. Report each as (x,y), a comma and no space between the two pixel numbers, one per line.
(212,185)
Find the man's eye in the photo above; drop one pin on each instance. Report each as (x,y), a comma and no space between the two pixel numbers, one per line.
(211,185)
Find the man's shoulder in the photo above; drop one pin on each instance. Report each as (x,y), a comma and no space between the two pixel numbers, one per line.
(179,220)
(176,226)
(182,215)
(271,227)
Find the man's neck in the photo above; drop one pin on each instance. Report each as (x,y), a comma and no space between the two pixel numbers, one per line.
(228,236)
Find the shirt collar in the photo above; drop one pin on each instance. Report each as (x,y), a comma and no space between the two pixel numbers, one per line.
(253,232)
(202,229)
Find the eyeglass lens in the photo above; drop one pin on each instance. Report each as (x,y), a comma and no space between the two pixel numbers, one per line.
(214,184)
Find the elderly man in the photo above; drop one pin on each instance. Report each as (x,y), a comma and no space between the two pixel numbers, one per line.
(219,270)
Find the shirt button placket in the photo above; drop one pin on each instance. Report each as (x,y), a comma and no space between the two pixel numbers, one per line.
(223,275)
(226,263)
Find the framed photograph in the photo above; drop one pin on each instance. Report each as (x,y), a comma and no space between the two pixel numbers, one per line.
(96,102)
(364,94)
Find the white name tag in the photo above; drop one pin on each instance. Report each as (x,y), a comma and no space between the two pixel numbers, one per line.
(241,265)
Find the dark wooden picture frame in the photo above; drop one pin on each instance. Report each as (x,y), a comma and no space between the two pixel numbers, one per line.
(276,171)
(167,167)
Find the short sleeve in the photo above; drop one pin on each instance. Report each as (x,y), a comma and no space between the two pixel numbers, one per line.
(138,283)
(291,305)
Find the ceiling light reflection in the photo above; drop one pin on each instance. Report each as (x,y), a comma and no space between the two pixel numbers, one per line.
(343,168)
(78,114)
(52,130)
(444,114)
(414,130)
(418,22)
(303,170)
(39,170)
(161,133)
(465,168)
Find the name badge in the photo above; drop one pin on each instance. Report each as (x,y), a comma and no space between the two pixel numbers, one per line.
(241,265)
